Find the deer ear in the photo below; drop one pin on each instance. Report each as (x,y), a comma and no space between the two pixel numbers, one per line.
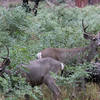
(87,36)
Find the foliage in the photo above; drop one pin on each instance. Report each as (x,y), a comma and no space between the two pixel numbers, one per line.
(74,74)
(26,35)
(14,87)
(13,23)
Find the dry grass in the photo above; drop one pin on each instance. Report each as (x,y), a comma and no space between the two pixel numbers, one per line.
(92,92)
(2,97)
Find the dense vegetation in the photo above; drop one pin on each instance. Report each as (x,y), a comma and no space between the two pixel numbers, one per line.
(26,34)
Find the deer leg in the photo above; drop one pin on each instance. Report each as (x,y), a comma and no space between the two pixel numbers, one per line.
(35,7)
(25,4)
(79,89)
(49,81)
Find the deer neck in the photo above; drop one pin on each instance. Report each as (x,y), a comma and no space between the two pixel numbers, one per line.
(92,51)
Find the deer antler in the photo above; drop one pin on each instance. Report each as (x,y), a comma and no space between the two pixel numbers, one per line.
(6,60)
(84,27)
(7,53)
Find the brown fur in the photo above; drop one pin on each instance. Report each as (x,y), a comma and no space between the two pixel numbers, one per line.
(37,72)
(74,55)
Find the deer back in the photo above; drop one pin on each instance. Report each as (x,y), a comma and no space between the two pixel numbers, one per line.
(37,70)
(74,55)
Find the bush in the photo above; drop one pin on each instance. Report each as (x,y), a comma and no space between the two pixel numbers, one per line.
(14,22)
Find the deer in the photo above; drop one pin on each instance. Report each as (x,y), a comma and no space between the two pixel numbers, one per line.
(28,9)
(37,72)
(25,4)
(74,55)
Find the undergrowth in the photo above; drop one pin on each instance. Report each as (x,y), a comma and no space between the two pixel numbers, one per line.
(26,34)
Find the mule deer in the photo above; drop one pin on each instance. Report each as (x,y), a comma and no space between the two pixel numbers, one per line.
(25,4)
(74,55)
(38,72)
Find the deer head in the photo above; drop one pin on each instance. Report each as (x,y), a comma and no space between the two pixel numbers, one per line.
(94,38)
(6,62)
